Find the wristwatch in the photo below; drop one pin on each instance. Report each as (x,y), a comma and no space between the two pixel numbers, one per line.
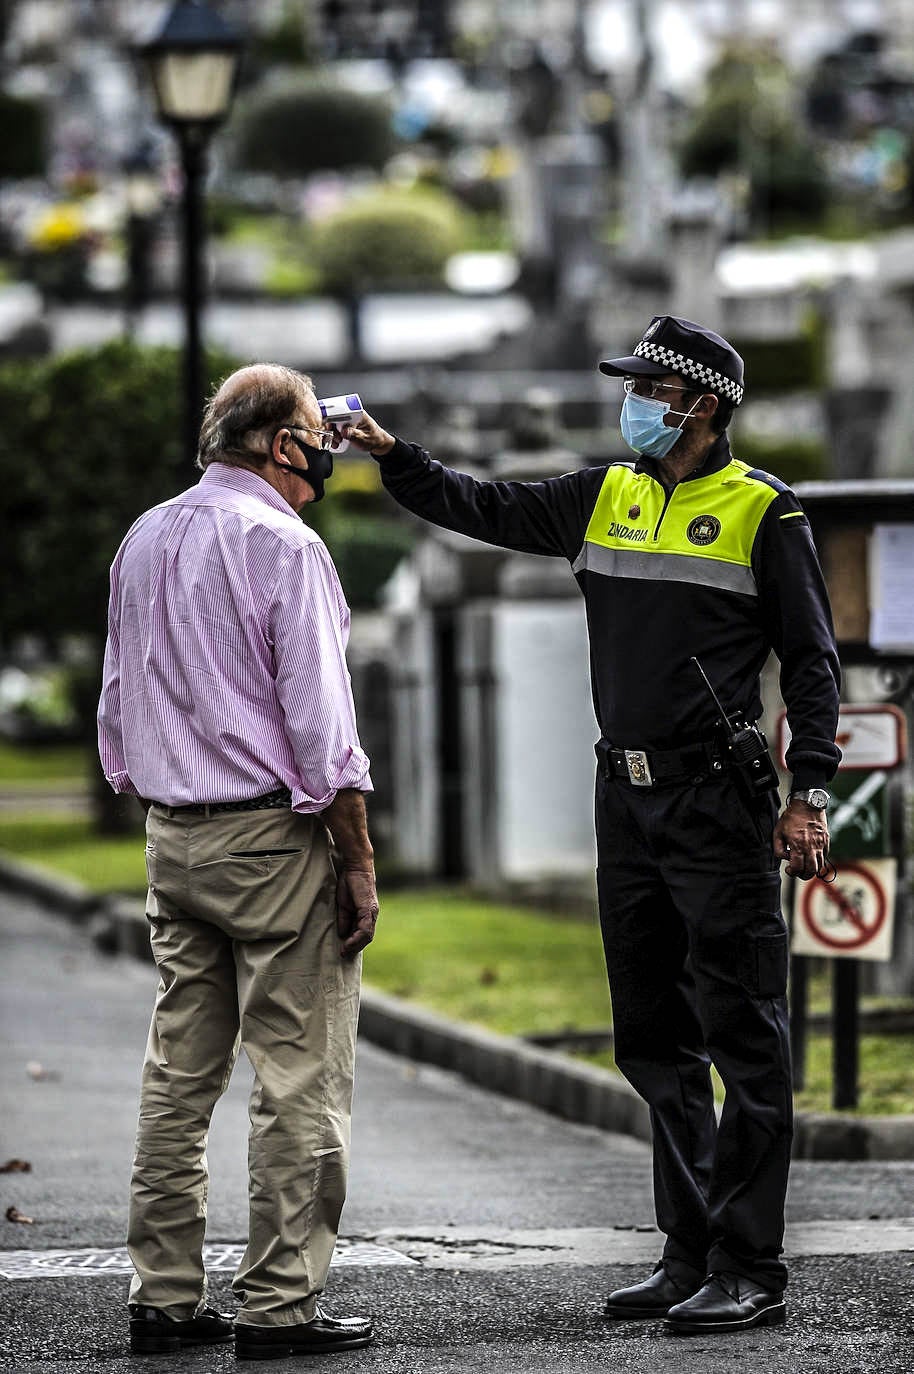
(816,797)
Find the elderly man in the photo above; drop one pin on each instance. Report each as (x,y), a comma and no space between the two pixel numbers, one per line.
(686,554)
(227,708)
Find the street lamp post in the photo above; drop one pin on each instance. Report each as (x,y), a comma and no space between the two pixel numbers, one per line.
(141,198)
(193,64)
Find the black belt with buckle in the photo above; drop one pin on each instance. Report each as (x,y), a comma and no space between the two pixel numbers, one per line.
(280,796)
(653,767)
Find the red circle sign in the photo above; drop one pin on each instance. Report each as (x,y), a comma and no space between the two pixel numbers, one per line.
(862,913)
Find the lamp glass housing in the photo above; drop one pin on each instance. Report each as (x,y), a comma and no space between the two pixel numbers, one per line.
(193,87)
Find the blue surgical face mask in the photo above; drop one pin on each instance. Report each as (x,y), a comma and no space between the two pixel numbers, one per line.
(643,428)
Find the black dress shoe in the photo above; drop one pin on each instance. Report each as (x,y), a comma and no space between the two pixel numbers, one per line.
(323,1335)
(728,1302)
(652,1297)
(152,1332)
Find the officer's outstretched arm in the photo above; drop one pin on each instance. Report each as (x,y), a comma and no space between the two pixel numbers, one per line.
(530,517)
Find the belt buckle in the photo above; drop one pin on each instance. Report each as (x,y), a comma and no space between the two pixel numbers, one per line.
(639,770)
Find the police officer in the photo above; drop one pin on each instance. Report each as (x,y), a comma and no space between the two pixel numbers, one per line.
(686,553)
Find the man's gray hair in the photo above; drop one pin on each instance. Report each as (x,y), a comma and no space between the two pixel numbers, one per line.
(246,408)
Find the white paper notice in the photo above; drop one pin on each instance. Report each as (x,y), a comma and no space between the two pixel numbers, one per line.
(892,587)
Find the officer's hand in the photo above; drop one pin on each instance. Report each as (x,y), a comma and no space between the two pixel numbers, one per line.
(801,837)
(369,435)
(356,909)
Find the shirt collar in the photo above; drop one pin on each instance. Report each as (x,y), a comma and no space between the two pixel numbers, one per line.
(249,483)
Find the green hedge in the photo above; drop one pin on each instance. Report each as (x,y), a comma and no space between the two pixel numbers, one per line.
(366,549)
(22,136)
(308,125)
(793,460)
(90,440)
(792,364)
(388,238)
(797,362)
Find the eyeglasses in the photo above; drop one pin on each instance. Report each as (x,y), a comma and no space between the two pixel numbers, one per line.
(645,386)
(326,438)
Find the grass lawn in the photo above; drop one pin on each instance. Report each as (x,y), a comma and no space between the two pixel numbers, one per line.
(886,1076)
(41,766)
(67,844)
(507,968)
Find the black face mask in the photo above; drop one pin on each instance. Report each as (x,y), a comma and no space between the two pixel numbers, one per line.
(320,467)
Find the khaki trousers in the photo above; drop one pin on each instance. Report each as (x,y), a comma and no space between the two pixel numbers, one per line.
(243,929)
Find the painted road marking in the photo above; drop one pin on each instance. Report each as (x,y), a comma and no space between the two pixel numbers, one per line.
(69,1264)
(485,1248)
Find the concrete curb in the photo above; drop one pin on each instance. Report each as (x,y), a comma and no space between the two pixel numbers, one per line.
(62,894)
(546,1079)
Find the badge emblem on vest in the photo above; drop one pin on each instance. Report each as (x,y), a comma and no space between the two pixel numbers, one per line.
(704,529)
(634,512)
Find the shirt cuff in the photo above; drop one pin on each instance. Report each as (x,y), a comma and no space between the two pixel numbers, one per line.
(121,783)
(353,774)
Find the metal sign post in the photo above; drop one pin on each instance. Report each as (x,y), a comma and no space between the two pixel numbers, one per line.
(851,918)
(864,532)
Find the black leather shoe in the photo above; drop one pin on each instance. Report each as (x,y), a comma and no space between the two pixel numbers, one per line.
(727,1302)
(323,1335)
(652,1297)
(154,1333)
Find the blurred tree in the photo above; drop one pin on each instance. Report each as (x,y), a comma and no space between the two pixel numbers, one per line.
(307,125)
(384,239)
(22,136)
(748,124)
(6,17)
(287,40)
(90,440)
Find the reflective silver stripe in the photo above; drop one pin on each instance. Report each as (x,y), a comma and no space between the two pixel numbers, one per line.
(666,567)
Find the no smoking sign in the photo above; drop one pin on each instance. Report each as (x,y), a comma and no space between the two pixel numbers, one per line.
(849,918)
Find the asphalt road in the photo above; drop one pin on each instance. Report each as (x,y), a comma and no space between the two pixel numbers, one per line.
(479,1232)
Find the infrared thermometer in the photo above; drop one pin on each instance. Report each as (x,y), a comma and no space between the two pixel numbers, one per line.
(341,410)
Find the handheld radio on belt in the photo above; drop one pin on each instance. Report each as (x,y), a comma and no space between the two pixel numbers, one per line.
(746,747)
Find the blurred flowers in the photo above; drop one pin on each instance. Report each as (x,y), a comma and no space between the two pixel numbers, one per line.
(58,227)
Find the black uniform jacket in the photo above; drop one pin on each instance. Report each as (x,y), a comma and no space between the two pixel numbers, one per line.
(721,566)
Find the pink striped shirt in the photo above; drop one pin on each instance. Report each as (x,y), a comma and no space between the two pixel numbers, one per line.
(225,670)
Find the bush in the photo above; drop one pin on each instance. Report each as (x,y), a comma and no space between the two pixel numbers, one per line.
(792,364)
(793,460)
(796,363)
(22,136)
(308,126)
(366,549)
(388,239)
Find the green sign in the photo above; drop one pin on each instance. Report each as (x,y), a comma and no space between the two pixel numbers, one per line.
(858,815)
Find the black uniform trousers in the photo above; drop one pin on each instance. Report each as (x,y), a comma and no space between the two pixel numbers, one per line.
(697,952)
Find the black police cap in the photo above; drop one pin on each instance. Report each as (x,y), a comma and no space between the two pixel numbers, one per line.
(673,345)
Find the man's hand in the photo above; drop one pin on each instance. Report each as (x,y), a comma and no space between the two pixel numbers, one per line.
(801,837)
(356,894)
(356,909)
(369,435)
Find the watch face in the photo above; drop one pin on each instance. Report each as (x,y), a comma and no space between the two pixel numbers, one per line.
(818,798)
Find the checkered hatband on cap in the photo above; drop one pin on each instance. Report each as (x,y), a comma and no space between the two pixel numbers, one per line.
(688,367)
